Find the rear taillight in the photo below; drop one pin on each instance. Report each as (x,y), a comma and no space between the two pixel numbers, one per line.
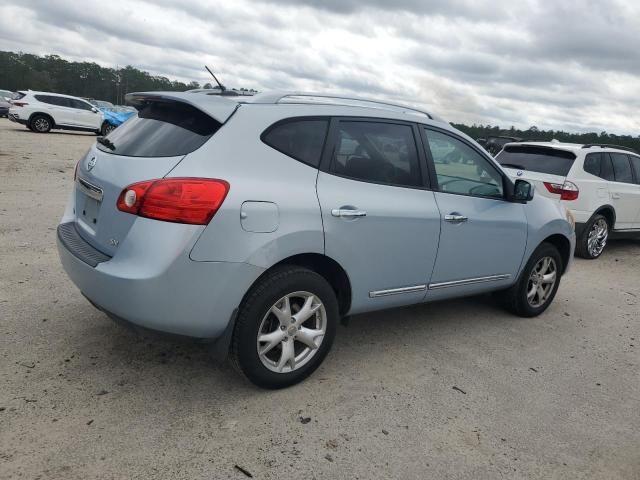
(567,190)
(19,104)
(181,200)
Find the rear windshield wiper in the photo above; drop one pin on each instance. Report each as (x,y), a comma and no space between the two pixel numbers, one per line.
(513,165)
(106,142)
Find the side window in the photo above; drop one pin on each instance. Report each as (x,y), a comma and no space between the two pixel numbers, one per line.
(377,152)
(621,168)
(635,161)
(45,99)
(300,139)
(79,104)
(606,168)
(592,163)
(461,169)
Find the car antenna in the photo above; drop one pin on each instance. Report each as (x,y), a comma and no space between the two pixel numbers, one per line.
(222,87)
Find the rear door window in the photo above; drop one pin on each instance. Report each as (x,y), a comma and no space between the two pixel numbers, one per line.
(161,129)
(537,159)
(606,168)
(377,152)
(635,162)
(301,139)
(593,163)
(621,167)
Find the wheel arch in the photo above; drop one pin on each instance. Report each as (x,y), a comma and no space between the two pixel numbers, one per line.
(43,114)
(608,212)
(324,266)
(563,245)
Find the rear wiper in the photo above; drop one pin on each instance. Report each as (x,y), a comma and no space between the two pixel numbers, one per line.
(106,142)
(513,165)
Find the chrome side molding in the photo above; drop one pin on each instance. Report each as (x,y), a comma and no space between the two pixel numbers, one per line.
(469,281)
(397,291)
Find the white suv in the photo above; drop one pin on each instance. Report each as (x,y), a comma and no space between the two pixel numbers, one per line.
(599,184)
(43,111)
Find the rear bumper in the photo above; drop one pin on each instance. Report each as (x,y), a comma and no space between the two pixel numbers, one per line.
(15,118)
(180,296)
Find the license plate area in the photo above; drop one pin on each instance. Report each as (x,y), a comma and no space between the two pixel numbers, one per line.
(90,210)
(89,202)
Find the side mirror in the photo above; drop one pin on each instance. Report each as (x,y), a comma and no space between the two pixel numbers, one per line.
(522,191)
(94,110)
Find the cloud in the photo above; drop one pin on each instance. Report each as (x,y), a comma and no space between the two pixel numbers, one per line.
(538,62)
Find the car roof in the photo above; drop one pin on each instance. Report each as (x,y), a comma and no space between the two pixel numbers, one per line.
(37,92)
(576,148)
(222,106)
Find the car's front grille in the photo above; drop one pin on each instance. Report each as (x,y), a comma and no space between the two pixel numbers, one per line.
(77,245)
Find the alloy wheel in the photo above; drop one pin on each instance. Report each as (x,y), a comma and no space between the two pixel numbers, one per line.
(597,239)
(41,124)
(542,281)
(291,332)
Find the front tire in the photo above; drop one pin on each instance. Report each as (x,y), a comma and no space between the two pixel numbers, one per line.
(285,327)
(41,124)
(538,283)
(594,238)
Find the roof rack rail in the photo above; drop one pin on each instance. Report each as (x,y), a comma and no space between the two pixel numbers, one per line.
(346,101)
(608,145)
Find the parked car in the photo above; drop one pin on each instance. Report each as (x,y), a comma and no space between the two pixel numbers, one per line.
(600,184)
(5,99)
(114,117)
(43,111)
(299,211)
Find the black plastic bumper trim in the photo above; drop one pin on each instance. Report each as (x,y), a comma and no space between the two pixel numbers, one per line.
(78,247)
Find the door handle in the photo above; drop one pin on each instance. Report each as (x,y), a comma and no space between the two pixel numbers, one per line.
(615,196)
(348,213)
(455,217)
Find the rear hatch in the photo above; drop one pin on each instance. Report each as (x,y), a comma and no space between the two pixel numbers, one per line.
(148,146)
(545,167)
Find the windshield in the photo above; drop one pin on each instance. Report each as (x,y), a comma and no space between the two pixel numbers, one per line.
(161,129)
(537,159)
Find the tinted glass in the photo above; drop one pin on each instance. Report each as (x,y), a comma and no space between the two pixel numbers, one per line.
(377,152)
(592,163)
(635,161)
(80,105)
(537,159)
(621,167)
(300,139)
(606,168)
(161,129)
(461,169)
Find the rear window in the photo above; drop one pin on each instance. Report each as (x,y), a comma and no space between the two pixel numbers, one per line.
(537,159)
(161,129)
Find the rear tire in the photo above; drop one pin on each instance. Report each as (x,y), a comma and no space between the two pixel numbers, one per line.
(594,238)
(41,124)
(275,344)
(538,283)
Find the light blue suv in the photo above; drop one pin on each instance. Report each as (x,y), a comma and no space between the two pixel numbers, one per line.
(262,221)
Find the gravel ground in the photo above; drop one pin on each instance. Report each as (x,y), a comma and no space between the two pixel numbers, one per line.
(449,390)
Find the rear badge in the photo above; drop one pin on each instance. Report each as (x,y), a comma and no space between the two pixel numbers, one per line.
(91,163)
(519,173)
(113,242)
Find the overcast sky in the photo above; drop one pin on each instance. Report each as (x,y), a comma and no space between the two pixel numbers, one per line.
(551,63)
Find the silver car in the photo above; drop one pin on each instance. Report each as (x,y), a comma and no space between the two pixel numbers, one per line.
(263,221)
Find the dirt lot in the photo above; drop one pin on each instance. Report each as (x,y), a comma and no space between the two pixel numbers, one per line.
(552,397)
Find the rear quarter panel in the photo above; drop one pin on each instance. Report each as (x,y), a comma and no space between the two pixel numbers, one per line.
(256,173)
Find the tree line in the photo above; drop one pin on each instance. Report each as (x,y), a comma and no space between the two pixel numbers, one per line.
(535,134)
(51,73)
(20,71)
